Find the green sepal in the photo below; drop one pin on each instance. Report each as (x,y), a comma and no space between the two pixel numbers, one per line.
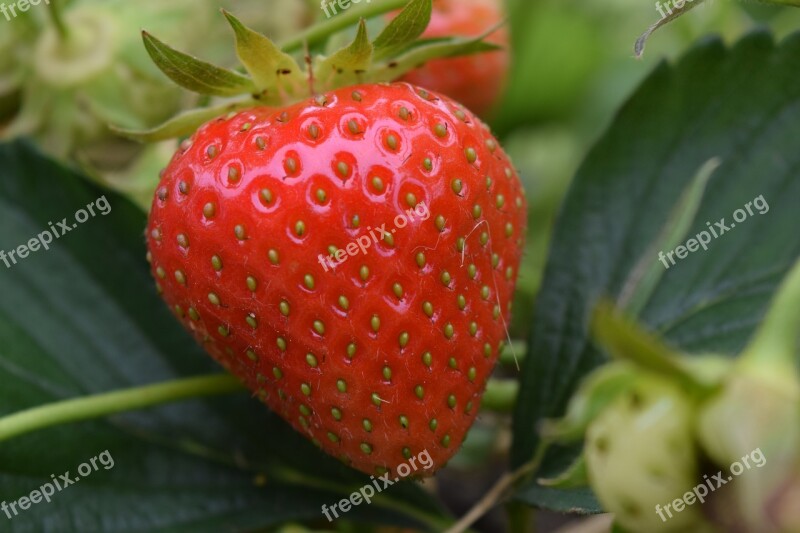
(347,65)
(626,340)
(182,125)
(595,393)
(196,75)
(404,29)
(271,69)
(437,48)
(576,475)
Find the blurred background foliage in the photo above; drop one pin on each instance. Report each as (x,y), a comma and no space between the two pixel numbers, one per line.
(65,93)
(573,66)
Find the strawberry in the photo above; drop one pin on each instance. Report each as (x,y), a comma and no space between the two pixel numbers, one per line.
(351,256)
(476,81)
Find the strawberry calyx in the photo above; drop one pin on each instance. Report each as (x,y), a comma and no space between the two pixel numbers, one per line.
(272,77)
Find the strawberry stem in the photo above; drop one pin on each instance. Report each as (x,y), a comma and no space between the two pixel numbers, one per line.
(499,491)
(109,403)
(500,395)
(513,353)
(520,517)
(319,32)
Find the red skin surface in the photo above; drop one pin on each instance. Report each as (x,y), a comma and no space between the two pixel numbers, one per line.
(477,81)
(194,178)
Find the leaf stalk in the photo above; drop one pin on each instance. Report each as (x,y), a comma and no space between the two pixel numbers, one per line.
(109,403)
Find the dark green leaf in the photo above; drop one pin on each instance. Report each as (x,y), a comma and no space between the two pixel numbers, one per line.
(83,317)
(572,501)
(194,74)
(645,276)
(739,105)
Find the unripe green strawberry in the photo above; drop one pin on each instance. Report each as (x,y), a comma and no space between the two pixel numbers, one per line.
(382,353)
(640,455)
(637,415)
(652,416)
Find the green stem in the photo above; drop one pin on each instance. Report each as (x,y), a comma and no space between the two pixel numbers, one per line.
(109,403)
(339,22)
(57,16)
(500,490)
(513,354)
(500,395)
(520,517)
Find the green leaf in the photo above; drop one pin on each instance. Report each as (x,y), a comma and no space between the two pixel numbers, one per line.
(572,501)
(625,340)
(183,124)
(403,29)
(348,65)
(82,318)
(738,104)
(271,69)
(194,74)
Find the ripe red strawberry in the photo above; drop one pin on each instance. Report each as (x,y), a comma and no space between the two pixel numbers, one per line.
(477,81)
(386,354)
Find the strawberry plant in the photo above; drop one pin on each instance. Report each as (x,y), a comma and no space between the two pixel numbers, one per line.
(414,322)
